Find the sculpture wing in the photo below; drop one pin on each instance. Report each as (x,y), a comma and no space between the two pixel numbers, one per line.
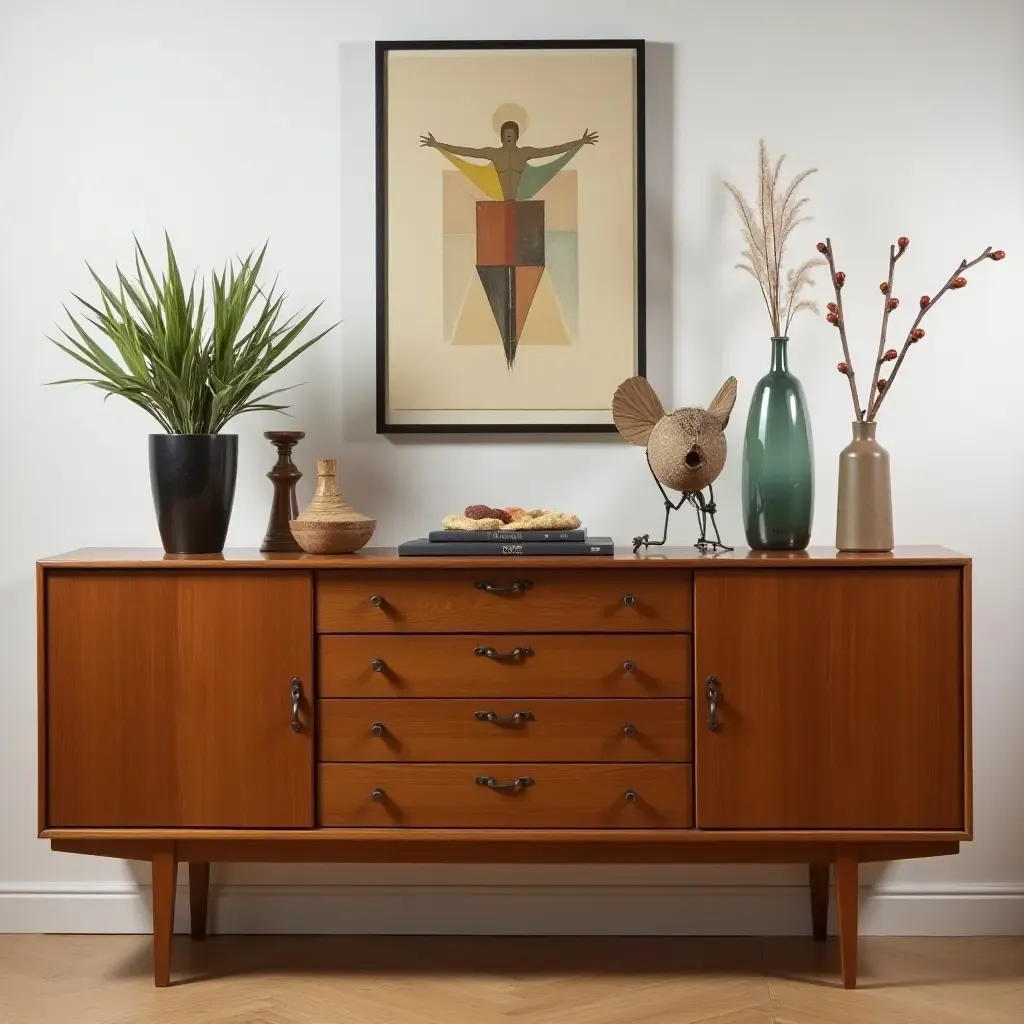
(635,409)
(721,405)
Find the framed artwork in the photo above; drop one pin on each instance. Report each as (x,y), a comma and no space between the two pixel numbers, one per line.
(510,233)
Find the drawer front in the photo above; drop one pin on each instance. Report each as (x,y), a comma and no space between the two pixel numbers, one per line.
(505,600)
(557,796)
(504,730)
(601,665)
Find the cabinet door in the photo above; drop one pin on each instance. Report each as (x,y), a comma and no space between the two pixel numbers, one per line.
(169,699)
(840,699)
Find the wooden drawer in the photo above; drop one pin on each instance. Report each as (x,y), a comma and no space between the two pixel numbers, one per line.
(602,665)
(502,600)
(559,796)
(478,730)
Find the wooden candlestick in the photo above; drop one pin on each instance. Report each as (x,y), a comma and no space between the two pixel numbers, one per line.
(284,477)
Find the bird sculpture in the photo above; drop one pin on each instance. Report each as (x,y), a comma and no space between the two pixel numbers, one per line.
(686,449)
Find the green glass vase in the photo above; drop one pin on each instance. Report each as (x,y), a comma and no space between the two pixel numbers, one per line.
(778,461)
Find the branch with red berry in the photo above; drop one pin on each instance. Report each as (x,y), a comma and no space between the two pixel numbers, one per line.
(837,318)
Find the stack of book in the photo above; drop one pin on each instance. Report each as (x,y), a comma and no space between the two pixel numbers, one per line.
(506,543)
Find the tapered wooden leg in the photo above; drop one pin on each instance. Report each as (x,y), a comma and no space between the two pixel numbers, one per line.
(198,897)
(846,905)
(165,883)
(818,878)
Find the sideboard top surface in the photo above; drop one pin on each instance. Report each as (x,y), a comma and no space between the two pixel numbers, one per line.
(387,558)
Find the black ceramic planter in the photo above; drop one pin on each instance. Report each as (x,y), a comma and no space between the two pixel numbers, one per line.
(193,480)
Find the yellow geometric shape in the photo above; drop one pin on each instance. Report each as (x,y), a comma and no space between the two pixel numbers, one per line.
(544,324)
(476,324)
(484,176)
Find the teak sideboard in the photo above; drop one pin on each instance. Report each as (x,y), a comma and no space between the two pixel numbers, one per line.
(809,708)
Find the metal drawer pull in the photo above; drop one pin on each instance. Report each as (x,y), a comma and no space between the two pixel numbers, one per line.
(296,701)
(518,587)
(516,719)
(630,796)
(629,666)
(629,600)
(377,796)
(629,729)
(514,655)
(377,665)
(523,782)
(713,694)
(377,729)
(376,600)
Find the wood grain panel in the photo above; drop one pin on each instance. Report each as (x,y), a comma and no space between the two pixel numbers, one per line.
(841,699)
(557,730)
(549,600)
(168,699)
(594,665)
(562,796)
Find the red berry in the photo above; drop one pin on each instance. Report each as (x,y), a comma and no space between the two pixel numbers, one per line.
(917,334)
(843,368)
(903,241)
(881,385)
(893,302)
(997,255)
(832,318)
(884,287)
(840,278)
(832,307)
(959,282)
(822,247)
(924,301)
(890,355)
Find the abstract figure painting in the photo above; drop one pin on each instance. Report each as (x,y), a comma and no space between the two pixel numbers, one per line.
(510,234)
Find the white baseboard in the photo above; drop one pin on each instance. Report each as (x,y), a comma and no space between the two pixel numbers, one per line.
(517,910)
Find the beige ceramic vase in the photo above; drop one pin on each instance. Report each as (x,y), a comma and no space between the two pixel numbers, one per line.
(864,515)
(329,525)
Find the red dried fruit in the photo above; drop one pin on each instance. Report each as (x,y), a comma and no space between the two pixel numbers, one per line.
(959,282)
(822,248)
(917,334)
(881,384)
(832,318)
(903,241)
(883,287)
(843,368)
(840,278)
(890,355)
(893,302)
(997,255)
(486,512)
(924,301)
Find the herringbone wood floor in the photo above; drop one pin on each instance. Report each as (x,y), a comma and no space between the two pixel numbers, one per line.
(386,980)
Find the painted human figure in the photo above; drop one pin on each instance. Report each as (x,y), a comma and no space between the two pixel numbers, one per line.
(510,159)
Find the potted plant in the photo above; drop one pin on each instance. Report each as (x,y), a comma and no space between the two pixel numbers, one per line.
(193,379)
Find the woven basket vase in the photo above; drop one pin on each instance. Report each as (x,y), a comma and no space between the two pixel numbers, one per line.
(329,525)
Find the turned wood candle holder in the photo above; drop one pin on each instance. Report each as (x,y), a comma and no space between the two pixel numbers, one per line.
(284,475)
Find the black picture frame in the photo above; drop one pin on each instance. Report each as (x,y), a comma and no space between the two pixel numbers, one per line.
(383,50)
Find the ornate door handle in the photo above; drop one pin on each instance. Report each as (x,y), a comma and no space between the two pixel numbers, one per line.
(518,587)
(517,719)
(296,701)
(714,692)
(514,655)
(523,782)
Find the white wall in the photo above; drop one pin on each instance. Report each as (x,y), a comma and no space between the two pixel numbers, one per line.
(231,121)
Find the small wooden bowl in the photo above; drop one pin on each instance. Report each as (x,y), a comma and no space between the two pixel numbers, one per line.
(332,538)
